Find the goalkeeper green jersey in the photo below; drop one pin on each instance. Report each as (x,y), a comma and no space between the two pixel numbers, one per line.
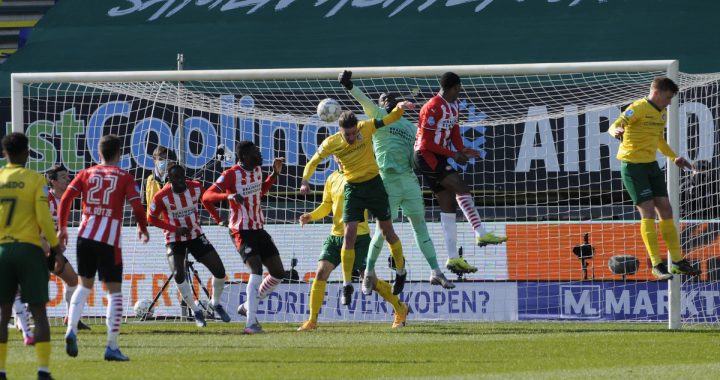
(393,144)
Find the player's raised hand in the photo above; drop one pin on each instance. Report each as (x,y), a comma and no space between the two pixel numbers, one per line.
(278,166)
(683,163)
(143,235)
(304,187)
(406,105)
(304,219)
(345,79)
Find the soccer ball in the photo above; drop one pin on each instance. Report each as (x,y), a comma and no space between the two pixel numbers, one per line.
(328,110)
(142,308)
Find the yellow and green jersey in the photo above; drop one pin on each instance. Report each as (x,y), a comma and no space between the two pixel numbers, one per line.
(333,200)
(357,159)
(644,125)
(24,208)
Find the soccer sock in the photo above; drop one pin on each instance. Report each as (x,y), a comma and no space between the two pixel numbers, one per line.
(269,284)
(376,244)
(670,235)
(42,351)
(347,258)
(317,295)
(77,303)
(385,291)
(449,227)
(187,295)
(649,237)
(3,356)
(114,315)
(397,253)
(423,240)
(252,298)
(22,316)
(67,294)
(218,287)
(466,203)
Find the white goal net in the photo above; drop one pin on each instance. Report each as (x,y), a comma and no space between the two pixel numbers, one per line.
(547,178)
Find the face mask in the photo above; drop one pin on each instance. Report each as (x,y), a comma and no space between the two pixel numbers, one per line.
(161,167)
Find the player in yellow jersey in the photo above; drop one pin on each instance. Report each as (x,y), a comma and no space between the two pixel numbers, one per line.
(640,128)
(333,200)
(24,215)
(353,148)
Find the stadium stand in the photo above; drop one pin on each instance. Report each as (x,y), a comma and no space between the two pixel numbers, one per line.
(17,18)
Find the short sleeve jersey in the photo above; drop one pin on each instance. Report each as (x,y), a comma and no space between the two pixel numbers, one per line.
(179,209)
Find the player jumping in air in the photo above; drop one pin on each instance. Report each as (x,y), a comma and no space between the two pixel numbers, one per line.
(437,128)
(333,200)
(641,129)
(24,215)
(177,203)
(242,185)
(393,146)
(364,189)
(104,189)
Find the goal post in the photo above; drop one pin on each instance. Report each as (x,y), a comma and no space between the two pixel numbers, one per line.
(547,177)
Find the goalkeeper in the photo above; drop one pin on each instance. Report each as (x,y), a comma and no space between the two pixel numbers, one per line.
(640,128)
(333,200)
(393,146)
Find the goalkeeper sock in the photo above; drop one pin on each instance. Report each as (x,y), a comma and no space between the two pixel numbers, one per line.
(317,296)
(269,284)
(252,298)
(67,294)
(347,258)
(3,356)
(77,303)
(397,254)
(376,244)
(218,287)
(467,205)
(423,240)
(42,352)
(22,316)
(114,315)
(187,295)
(649,237)
(449,227)
(670,235)
(385,291)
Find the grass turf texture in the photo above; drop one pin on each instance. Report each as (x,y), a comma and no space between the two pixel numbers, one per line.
(462,350)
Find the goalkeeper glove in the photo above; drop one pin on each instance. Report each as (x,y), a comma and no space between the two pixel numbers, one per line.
(345,79)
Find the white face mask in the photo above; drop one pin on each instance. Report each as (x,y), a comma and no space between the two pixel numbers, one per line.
(161,167)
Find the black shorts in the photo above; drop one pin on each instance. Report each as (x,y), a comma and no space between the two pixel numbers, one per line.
(433,175)
(198,247)
(94,256)
(254,242)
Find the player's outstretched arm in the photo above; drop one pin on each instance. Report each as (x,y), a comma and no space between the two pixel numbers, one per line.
(322,152)
(272,178)
(370,108)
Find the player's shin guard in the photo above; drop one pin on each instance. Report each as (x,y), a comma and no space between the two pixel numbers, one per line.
(67,294)
(449,227)
(397,253)
(385,291)
(114,315)
(42,352)
(347,258)
(317,296)
(218,287)
(672,241)
(649,237)
(252,298)
(22,316)
(467,205)
(376,244)
(77,303)
(423,240)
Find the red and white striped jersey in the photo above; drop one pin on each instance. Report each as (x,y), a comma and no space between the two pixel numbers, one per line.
(438,123)
(104,190)
(179,209)
(54,202)
(236,180)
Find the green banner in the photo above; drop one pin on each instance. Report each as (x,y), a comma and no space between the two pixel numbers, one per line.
(79,35)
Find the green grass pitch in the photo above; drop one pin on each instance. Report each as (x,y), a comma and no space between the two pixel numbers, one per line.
(421,350)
